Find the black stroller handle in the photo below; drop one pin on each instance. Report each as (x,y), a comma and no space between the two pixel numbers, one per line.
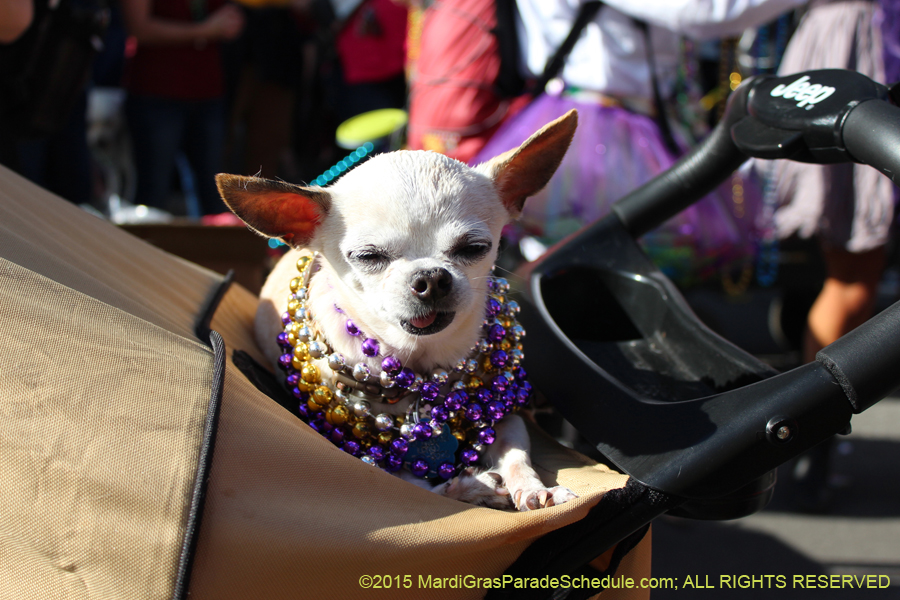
(825,116)
(660,395)
(821,116)
(871,134)
(692,177)
(865,361)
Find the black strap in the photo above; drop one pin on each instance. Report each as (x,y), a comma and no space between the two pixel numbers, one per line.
(586,14)
(509,82)
(660,117)
(620,519)
(194,517)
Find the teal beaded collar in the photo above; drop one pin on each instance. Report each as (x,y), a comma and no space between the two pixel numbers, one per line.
(451,416)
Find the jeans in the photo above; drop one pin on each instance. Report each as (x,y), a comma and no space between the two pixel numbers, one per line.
(160,127)
(61,162)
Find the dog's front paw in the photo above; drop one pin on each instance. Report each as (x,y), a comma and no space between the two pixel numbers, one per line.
(481,489)
(541,497)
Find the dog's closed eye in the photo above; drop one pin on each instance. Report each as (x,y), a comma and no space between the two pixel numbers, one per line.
(468,251)
(370,258)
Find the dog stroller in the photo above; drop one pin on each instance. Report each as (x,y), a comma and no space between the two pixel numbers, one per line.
(139,461)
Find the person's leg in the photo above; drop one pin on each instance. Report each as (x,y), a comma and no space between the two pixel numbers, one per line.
(156,126)
(847,297)
(31,157)
(846,301)
(203,144)
(68,161)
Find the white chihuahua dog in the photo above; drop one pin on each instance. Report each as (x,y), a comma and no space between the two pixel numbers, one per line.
(400,345)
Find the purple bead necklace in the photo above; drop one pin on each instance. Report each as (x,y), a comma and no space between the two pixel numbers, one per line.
(449,423)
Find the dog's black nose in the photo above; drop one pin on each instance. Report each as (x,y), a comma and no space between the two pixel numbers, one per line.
(433,284)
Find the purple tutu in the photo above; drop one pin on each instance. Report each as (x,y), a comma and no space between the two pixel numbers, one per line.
(614,152)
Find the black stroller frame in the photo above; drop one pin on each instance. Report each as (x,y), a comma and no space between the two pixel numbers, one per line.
(697,423)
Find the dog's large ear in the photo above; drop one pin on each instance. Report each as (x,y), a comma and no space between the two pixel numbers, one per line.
(275,208)
(524,171)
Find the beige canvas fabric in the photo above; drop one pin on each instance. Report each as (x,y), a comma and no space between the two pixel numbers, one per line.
(103,397)
(104,390)
(53,237)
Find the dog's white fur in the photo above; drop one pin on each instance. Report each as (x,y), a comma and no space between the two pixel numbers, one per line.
(378,228)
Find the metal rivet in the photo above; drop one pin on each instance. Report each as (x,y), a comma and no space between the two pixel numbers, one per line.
(781,430)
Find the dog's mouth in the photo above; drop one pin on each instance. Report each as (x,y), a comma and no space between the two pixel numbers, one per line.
(428,324)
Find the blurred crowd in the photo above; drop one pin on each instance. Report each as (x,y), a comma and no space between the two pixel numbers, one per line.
(132,106)
(201,86)
(174,91)
(163,94)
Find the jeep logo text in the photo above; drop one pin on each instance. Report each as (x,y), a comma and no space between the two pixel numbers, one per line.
(803,92)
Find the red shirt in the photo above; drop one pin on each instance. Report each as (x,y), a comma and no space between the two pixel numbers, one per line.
(372,45)
(185,71)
